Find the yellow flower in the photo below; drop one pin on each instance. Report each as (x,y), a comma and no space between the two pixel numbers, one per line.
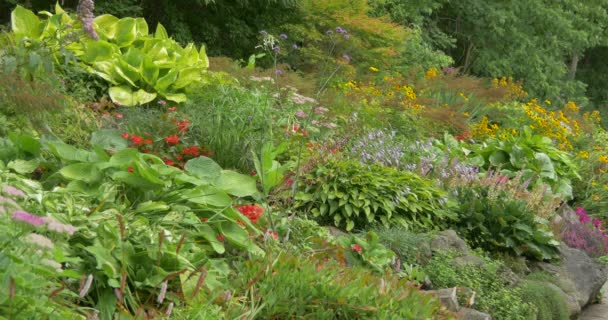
(374,69)
(431,73)
(583,154)
(596,197)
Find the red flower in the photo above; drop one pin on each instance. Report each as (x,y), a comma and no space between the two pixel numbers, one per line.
(172,139)
(304,132)
(182,126)
(356,247)
(253,173)
(137,140)
(172,109)
(119,116)
(148,141)
(130,169)
(125,135)
(204,219)
(251,211)
(169,162)
(272,234)
(179,157)
(193,151)
(220,237)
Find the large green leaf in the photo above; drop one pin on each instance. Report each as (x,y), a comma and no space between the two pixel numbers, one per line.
(207,195)
(149,71)
(202,54)
(167,80)
(126,97)
(95,51)
(187,76)
(234,233)
(204,168)
(87,172)
(106,26)
(25,23)
(176,97)
(161,32)
(237,184)
(142,27)
(126,32)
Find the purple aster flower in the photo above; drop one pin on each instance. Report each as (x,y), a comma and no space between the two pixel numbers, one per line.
(28,217)
(339,29)
(346,57)
(278,72)
(283,36)
(12,191)
(329,32)
(276,49)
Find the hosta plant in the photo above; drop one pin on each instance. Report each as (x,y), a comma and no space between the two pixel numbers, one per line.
(351,195)
(140,66)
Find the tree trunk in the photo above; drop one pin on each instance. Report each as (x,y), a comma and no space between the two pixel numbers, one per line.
(573,65)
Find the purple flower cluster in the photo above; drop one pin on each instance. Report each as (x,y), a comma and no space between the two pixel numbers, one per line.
(435,162)
(587,234)
(85,11)
(379,147)
(51,223)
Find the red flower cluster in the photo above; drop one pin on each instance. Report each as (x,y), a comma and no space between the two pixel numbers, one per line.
(192,151)
(172,140)
(182,126)
(251,211)
(296,129)
(463,136)
(357,248)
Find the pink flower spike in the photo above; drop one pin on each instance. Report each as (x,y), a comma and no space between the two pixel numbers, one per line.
(12,191)
(28,217)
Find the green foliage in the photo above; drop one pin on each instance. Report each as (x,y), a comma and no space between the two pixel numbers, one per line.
(354,196)
(406,244)
(326,292)
(497,222)
(477,34)
(138,65)
(367,250)
(493,295)
(532,155)
(548,302)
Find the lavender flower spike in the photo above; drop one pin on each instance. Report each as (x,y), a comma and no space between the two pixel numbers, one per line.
(28,217)
(163,292)
(39,240)
(85,13)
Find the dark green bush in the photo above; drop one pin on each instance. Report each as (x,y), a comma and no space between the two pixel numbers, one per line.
(492,220)
(352,195)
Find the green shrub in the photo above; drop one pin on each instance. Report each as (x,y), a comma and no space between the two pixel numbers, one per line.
(498,222)
(492,293)
(405,243)
(548,302)
(139,66)
(354,196)
(534,155)
(326,291)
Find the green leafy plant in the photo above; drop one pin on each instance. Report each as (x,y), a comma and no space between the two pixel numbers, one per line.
(548,302)
(139,66)
(326,291)
(368,250)
(352,195)
(493,295)
(497,222)
(534,155)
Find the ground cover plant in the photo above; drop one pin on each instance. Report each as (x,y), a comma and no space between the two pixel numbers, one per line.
(304,176)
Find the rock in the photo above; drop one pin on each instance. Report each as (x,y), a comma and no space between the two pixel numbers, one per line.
(471,314)
(447,297)
(473,261)
(448,240)
(579,275)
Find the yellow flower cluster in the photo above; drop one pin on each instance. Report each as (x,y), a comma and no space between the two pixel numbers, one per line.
(431,73)
(593,116)
(514,90)
(554,125)
(391,92)
(483,129)
(583,154)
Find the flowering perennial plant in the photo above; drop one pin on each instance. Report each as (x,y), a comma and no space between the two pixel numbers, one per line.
(251,211)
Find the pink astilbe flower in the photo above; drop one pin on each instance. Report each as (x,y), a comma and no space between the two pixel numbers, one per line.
(28,218)
(59,227)
(39,240)
(12,191)
(85,11)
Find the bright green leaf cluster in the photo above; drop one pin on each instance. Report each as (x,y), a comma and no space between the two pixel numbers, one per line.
(352,195)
